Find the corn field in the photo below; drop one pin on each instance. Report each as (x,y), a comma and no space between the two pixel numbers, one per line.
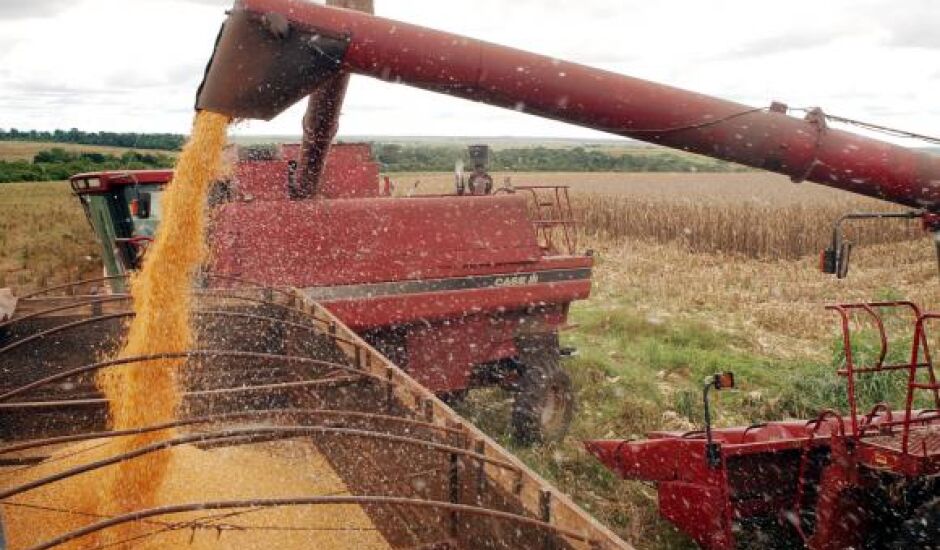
(750,214)
(748,229)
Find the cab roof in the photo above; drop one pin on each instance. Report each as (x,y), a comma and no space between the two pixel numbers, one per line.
(102,182)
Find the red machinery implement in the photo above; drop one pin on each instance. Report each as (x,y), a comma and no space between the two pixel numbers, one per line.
(863,480)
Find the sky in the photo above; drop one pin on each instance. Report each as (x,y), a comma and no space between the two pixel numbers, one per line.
(134,65)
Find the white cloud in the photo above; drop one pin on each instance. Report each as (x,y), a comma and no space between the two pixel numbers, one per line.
(21,9)
(119,65)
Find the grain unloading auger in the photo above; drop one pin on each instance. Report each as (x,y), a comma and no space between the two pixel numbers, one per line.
(272,53)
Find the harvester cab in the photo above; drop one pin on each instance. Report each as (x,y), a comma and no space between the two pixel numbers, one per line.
(123,209)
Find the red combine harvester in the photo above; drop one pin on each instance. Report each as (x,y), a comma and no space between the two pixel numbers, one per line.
(462,291)
(456,306)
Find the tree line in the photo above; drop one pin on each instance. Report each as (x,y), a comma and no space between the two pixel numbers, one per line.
(427,158)
(132,140)
(59,164)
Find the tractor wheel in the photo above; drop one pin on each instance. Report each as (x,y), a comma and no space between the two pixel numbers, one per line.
(544,406)
(922,529)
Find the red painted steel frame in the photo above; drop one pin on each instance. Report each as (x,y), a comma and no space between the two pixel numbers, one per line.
(760,475)
(455,65)
(844,311)
(764,468)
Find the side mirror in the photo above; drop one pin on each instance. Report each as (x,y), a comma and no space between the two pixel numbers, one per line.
(723,381)
(842,262)
(835,260)
(827,261)
(720,381)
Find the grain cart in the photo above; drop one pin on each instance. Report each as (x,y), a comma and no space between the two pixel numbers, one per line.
(274,388)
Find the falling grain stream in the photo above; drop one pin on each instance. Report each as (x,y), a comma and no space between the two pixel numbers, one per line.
(148,393)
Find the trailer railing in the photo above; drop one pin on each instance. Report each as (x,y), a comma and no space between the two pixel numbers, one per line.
(920,361)
(920,339)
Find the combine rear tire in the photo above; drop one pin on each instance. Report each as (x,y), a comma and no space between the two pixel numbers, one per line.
(544,406)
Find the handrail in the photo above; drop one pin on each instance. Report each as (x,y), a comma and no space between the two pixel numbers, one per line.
(844,311)
(554,214)
(920,338)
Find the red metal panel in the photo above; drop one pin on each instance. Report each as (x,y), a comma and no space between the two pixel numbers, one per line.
(110,180)
(260,180)
(322,243)
(441,356)
(378,312)
(699,511)
(656,459)
(480,71)
(349,173)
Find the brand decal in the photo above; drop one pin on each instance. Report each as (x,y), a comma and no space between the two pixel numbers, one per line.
(517,280)
(508,280)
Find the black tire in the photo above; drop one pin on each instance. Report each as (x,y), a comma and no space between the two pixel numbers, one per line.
(921,530)
(544,406)
(454,398)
